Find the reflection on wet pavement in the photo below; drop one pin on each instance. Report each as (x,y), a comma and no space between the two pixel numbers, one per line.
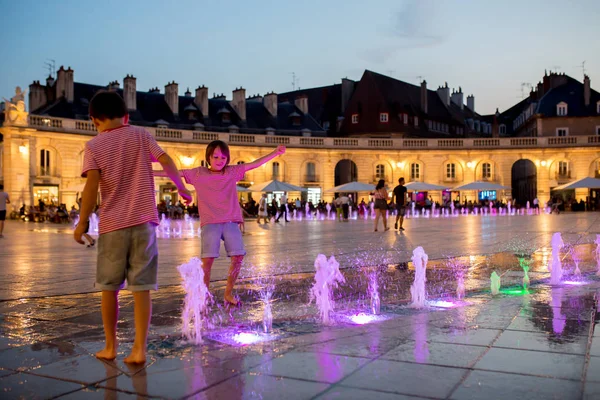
(540,343)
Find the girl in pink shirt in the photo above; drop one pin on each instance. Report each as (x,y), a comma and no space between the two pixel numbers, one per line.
(220,214)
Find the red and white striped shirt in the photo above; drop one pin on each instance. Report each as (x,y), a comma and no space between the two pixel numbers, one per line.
(124,158)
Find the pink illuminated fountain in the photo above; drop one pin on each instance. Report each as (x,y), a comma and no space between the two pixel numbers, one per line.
(555,265)
(196,298)
(327,277)
(417,289)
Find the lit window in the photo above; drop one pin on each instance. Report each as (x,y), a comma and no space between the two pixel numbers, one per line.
(486,170)
(416,121)
(225,118)
(561,109)
(562,131)
(405,119)
(451,171)
(380,171)
(45,162)
(383,117)
(240,163)
(355,118)
(415,172)
(311,175)
(598,130)
(275,170)
(563,168)
(502,129)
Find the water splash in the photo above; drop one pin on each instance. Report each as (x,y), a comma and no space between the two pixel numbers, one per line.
(576,260)
(417,289)
(459,272)
(495,284)
(93,223)
(266,295)
(327,277)
(555,265)
(525,265)
(195,301)
(374,292)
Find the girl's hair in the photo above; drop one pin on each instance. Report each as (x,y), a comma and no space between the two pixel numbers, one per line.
(210,149)
(380,184)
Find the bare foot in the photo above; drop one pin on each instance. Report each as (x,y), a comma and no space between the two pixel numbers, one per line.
(107,354)
(137,356)
(230,300)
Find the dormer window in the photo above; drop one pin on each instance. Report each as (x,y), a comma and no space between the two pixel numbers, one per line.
(502,129)
(562,131)
(598,107)
(561,109)
(416,121)
(355,118)
(383,117)
(405,119)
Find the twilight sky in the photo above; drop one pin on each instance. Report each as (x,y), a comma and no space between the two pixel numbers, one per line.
(488,47)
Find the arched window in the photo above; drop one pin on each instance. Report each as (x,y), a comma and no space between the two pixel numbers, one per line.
(563,169)
(380,171)
(276,170)
(486,171)
(561,109)
(45,163)
(450,171)
(311,172)
(415,172)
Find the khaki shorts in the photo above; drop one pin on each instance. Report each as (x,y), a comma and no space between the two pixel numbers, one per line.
(128,254)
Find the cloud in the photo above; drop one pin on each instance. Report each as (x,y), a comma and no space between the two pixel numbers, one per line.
(411,27)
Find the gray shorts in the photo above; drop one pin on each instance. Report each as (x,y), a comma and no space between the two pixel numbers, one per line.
(229,232)
(130,253)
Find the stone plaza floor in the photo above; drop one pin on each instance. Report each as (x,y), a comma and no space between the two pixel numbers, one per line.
(538,344)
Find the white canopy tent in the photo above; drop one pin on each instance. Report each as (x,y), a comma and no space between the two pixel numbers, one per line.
(423,187)
(352,187)
(584,183)
(275,186)
(480,185)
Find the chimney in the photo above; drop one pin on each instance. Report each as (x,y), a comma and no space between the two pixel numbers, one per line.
(37,96)
(347,90)
(172,97)
(154,90)
(540,90)
(256,97)
(201,100)
(64,84)
(239,102)
(188,93)
(130,92)
(457,98)
(270,103)
(50,81)
(424,96)
(302,103)
(444,93)
(471,102)
(586,90)
(495,126)
(114,86)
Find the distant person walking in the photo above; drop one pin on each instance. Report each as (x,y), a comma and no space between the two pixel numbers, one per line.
(4,200)
(262,209)
(399,194)
(381,204)
(283,208)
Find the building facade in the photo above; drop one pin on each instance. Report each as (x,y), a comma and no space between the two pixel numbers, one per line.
(42,151)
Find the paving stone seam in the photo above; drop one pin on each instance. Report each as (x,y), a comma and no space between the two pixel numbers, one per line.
(589,345)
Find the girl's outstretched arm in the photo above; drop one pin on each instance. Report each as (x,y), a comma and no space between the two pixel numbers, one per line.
(260,161)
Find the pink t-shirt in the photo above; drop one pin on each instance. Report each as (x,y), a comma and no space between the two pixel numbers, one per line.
(217,193)
(124,158)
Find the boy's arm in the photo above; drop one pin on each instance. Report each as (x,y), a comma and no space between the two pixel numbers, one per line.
(172,172)
(88,201)
(260,161)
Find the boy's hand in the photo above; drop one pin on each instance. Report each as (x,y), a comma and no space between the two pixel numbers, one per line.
(79,231)
(280,150)
(187,196)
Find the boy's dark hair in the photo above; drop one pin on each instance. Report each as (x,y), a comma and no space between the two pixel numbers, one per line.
(107,105)
(210,149)
(400,180)
(1,186)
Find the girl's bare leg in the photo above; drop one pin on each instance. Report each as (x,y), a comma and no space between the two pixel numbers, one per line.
(234,271)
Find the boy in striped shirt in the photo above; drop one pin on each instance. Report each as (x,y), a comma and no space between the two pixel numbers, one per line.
(119,161)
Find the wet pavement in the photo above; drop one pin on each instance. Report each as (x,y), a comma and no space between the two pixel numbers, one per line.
(538,344)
